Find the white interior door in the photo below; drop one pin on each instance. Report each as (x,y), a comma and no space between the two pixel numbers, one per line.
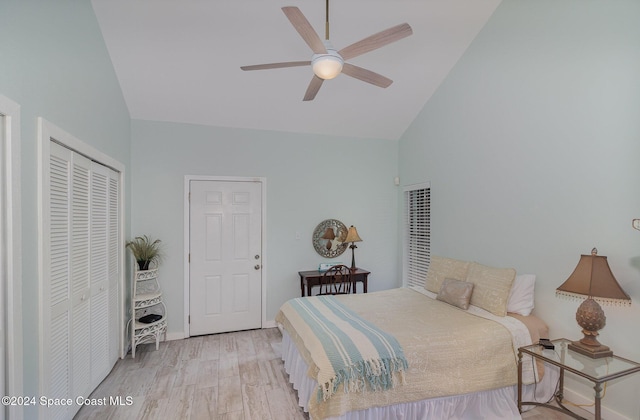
(225,271)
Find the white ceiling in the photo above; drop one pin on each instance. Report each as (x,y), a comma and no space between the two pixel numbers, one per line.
(179,61)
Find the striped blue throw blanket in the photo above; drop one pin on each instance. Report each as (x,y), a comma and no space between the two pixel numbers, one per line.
(345,348)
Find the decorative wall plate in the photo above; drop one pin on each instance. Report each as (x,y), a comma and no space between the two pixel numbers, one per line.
(328,238)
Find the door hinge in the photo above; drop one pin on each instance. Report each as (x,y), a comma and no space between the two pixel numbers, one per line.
(189,319)
(189,258)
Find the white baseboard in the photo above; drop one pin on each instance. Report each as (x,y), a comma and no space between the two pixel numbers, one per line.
(580,399)
(178,335)
(270,324)
(175,336)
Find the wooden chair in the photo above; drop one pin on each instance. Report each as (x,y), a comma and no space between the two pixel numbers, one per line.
(336,281)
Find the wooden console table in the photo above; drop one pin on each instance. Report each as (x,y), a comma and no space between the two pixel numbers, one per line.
(309,279)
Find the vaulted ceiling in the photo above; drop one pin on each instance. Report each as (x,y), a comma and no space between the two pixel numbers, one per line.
(179,61)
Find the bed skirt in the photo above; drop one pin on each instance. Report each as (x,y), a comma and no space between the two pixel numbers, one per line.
(497,404)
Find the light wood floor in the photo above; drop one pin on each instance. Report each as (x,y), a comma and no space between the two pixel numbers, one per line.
(225,376)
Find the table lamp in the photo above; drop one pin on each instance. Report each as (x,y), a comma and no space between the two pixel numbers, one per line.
(592,279)
(352,236)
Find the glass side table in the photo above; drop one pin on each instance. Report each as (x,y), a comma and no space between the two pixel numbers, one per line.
(597,371)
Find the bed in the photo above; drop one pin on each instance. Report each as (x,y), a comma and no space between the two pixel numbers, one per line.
(460,352)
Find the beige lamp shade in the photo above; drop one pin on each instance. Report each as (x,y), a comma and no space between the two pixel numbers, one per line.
(592,277)
(352,235)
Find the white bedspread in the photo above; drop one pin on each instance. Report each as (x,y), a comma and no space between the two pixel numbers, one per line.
(450,351)
(520,335)
(496,404)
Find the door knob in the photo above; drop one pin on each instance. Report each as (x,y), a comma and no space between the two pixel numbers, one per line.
(257,257)
(257,267)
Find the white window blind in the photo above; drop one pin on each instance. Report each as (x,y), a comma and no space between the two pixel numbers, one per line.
(417,233)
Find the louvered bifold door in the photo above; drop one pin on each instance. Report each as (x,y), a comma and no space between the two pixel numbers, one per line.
(114,264)
(417,235)
(80,274)
(56,287)
(80,307)
(99,256)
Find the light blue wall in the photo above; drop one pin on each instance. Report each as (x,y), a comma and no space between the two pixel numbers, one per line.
(54,63)
(532,146)
(309,179)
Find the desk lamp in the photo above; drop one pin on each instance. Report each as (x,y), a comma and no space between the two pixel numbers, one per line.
(352,236)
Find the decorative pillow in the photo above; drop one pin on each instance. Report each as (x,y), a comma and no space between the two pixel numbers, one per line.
(456,293)
(521,297)
(441,268)
(492,287)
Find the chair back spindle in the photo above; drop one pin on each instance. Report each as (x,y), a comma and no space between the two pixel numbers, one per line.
(336,280)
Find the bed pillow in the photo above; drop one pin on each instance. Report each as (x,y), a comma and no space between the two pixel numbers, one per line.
(456,293)
(521,295)
(441,268)
(491,287)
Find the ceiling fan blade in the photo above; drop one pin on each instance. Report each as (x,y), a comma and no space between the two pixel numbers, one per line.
(276,65)
(376,41)
(366,75)
(313,88)
(304,28)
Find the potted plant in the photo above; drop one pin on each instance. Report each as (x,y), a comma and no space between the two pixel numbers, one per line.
(145,251)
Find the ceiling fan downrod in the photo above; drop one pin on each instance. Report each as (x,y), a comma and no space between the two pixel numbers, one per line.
(326,23)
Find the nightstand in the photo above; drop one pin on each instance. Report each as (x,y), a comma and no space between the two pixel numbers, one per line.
(597,371)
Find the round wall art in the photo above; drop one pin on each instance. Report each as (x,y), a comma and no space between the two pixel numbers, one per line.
(328,238)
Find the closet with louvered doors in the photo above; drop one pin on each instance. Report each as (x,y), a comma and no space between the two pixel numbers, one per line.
(80,322)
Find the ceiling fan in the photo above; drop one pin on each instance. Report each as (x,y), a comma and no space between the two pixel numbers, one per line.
(328,63)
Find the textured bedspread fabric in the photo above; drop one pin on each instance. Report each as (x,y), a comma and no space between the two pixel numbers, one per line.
(449,351)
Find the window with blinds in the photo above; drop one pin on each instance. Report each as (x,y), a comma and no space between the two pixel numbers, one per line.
(417,234)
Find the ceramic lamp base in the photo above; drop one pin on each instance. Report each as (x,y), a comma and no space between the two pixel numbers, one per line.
(590,317)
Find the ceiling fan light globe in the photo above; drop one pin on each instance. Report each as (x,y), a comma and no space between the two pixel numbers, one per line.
(327,66)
